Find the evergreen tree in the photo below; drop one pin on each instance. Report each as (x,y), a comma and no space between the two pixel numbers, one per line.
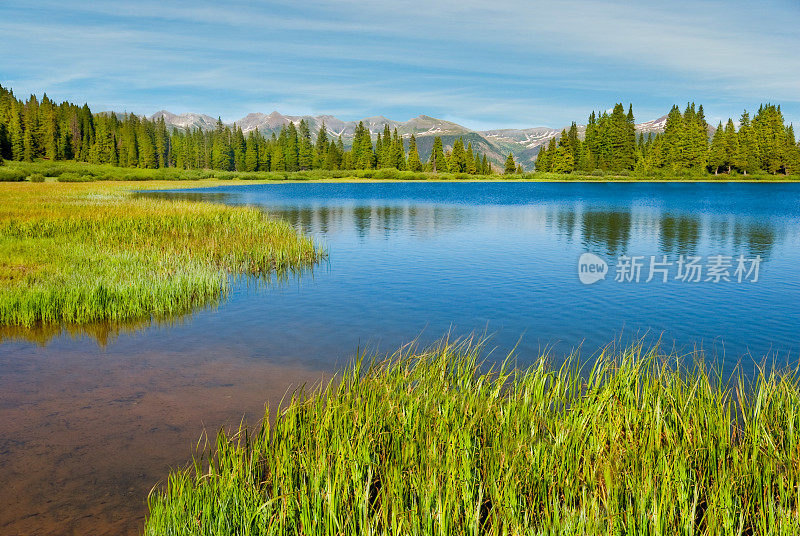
(221,153)
(30,121)
(305,156)
(162,143)
(630,151)
(747,160)
(147,150)
(731,146)
(291,150)
(770,138)
(572,142)
(398,152)
(49,131)
(251,152)
(380,154)
(469,163)
(265,150)
(591,145)
(620,140)
(792,158)
(346,158)
(363,156)
(457,161)
(385,153)
(334,157)
(700,138)
(73,131)
(238,149)
(544,158)
(16,135)
(321,149)
(129,150)
(438,162)
(717,152)
(672,140)
(562,161)
(278,160)
(414,163)
(587,162)
(511,165)
(87,132)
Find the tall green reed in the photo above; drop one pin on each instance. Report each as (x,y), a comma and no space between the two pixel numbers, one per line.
(428,443)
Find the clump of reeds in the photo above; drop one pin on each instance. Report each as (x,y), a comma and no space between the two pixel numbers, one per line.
(428,444)
(81,253)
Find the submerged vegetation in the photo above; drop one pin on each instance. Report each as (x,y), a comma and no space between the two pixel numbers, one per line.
(79,253)
(428,443)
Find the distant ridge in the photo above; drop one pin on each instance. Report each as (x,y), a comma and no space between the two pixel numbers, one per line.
(497,143)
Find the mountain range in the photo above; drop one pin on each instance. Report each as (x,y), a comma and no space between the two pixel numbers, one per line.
(496,144)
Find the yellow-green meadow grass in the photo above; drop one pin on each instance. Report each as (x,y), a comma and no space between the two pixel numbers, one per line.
(88,252)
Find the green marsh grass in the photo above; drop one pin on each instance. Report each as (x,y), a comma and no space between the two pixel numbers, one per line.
(426,443)
(89,252)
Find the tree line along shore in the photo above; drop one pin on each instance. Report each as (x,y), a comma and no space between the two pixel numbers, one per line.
(41,129)
(764,145)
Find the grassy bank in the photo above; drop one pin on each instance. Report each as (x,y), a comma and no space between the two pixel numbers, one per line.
(87,252)
(426,444)
(82,172)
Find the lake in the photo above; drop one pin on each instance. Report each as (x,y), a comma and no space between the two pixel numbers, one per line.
(91,418)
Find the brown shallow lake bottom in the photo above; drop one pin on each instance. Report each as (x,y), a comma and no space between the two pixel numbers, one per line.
(85,436)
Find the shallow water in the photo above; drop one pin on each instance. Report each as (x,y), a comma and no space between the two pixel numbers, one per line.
(90,420)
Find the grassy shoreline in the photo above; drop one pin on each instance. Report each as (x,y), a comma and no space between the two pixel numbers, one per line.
(426,443)
(82,172)
(87,252)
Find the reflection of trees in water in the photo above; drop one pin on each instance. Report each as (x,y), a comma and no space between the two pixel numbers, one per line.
(603,231)
(742,237)
(563,221)
(755,238)
(373,220)
(679,234)
(606,230)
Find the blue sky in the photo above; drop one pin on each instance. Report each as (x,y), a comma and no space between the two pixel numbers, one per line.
(479,63)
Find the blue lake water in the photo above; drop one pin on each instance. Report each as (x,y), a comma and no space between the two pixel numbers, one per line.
(423,259)
(90,420)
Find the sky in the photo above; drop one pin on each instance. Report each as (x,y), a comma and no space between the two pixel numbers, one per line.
(483,64)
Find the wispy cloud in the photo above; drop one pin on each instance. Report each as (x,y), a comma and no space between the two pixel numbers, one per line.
(517,63)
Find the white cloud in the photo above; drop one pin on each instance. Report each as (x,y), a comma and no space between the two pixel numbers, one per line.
(535,62)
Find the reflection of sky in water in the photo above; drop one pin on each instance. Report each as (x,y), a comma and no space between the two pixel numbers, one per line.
(422,259)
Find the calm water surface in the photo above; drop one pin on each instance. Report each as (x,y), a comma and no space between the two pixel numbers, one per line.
(502,258)
(91,420)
